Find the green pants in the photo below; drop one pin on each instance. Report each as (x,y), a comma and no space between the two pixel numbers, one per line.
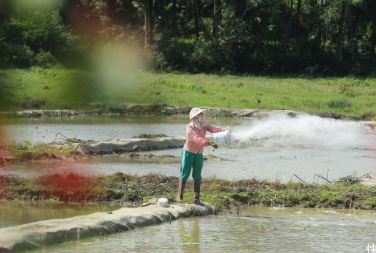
(191,161)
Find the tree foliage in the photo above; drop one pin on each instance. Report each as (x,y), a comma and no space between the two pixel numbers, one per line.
(35,39)
(312,37)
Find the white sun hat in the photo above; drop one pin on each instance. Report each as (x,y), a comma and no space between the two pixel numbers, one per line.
(195,111)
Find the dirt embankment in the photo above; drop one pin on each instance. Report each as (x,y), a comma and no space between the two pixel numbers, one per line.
(21,152)
(39,234)
(155,109)
(133,190)
(165,158)
(168,110)
(74,149)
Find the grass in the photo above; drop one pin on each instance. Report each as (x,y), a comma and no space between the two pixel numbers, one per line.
(134,190)
(108,92)
(26,151)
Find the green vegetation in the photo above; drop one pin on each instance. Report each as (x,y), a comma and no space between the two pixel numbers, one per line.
(135,190)
(26,151)
(39,88)
(86,55)
(317,38)
(40,39)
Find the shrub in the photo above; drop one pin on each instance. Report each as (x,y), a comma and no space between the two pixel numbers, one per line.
(371,202)
(45,59)
(39,38)
(15,55)
(305,197)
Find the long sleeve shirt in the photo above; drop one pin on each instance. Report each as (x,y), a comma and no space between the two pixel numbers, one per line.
(196,142)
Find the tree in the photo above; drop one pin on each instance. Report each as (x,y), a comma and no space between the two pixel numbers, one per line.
(29,38)
(148,22)
(6,9)
(373,35)
(340,30)
(216,16)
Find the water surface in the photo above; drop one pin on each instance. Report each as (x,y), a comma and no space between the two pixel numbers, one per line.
(274,148)
(14,213)
(255,229)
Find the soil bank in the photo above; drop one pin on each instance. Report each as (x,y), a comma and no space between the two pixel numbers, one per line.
(49,232)
(133,190)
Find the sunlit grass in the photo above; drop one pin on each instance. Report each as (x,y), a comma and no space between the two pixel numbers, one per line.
(80,90)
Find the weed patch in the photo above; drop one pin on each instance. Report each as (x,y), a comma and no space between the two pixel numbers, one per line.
(125,188)
(25,151)
(339,103)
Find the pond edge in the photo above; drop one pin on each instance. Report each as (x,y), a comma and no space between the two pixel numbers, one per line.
(58,231)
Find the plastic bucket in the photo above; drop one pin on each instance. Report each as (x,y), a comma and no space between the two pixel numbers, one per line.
(222,138)
(163,202)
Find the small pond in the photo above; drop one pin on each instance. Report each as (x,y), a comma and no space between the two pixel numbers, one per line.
(14,213)
(255,229)
(272,148)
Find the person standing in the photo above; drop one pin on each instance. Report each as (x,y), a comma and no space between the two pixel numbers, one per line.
(192,159)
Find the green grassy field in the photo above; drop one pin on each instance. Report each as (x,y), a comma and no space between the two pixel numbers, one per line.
(76,89)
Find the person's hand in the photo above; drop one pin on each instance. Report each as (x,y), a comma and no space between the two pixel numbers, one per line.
(213,144)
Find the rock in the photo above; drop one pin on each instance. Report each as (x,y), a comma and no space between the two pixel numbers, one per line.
(46,113)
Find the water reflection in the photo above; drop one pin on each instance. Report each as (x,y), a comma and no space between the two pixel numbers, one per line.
(20,212)
(189,236)
(256,229)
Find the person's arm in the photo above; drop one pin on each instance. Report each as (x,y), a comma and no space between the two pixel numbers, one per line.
(213,129)
(191,134)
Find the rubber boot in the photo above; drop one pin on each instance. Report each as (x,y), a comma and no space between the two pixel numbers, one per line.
(181,190)
(196,192)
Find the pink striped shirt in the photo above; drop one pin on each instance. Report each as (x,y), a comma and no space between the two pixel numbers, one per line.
(196,142)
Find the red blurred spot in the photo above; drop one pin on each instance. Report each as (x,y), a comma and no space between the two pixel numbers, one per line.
(69,186)
(2,123)
(4,152)
(86,18)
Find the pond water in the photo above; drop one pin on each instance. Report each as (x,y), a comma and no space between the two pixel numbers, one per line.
(272,148)
(14,213)
(255,229)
